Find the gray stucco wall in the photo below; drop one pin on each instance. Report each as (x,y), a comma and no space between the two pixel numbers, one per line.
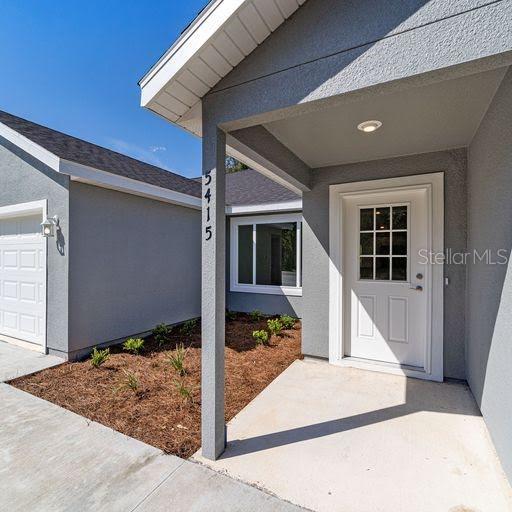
(266,303)
(24,179)
(315,318)
(380,43)
(134,262)
(489,305)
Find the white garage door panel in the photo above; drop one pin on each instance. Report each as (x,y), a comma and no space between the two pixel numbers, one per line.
(22,279)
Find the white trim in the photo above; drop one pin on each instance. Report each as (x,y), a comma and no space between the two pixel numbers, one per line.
(205,33)
(98,177)
(43,155)
(434,182)
(18,210)
(200,31)
(90,175)
(233,241)
(288,206)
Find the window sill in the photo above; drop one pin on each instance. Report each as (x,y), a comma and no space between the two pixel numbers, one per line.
(290,291)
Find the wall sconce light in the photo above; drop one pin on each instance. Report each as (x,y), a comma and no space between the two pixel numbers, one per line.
(48,226)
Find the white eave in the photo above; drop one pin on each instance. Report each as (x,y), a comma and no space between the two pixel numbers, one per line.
(97,177)
(222,35)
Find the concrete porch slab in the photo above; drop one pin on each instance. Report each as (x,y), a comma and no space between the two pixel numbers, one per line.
(343,439)
(18,361)
(54,460)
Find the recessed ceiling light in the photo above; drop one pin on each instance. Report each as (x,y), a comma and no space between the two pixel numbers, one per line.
(369,126)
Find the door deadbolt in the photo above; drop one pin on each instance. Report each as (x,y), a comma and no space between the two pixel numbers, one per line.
(419,276)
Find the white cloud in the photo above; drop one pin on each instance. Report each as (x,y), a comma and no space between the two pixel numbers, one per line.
(154,149)
(138,152)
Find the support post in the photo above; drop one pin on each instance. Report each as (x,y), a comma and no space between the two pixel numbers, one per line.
(213,293)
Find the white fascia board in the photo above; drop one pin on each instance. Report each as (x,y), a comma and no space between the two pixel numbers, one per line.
(206,25)
(92,176)
(288,206)
(43,155)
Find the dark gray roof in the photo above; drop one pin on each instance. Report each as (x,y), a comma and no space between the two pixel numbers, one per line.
(85,153)
(243,187)
(252,187)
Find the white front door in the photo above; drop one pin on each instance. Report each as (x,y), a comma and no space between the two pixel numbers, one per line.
(387,282)
(22,278)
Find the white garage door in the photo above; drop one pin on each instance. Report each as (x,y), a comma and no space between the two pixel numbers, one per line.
(22,279)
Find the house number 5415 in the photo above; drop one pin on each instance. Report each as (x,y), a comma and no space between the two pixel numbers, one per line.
(208,196)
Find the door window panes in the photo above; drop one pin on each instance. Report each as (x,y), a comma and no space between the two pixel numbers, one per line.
(383,243)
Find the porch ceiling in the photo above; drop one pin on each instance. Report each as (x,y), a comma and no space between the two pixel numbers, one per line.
(431,118)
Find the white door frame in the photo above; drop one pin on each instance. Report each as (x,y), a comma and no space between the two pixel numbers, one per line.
(17,210)
(434,185)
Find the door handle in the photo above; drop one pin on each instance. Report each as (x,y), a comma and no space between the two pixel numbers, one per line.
(418,288)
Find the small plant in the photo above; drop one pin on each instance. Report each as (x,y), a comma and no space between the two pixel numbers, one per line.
(260,337)
(183,390)
(188,327)
(98,357)
(177,359)
(161,333)
(133,345)
(256,315)
(287,321)
(131,382)
(274,326)
(230,315)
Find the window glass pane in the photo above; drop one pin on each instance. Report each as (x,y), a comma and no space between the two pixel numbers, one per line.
(276,254)
(400,242)
(382,243)
(245,254)
(366,219)
(366,241)
(366,268)
(382,268)
(399,269)
(399,217)
(382,218)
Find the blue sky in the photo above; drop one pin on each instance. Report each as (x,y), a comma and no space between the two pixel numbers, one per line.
(74,66)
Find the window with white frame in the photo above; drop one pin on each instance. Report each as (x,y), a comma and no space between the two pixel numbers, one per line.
(266,254)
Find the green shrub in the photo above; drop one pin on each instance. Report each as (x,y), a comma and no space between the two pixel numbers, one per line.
(287,321)
(98,357)
(130,382)
(230,315)
(177,359)
(274,325)
(183,390)
(260,337)
(133,345)
(256,315)
(161,333)
(188,327)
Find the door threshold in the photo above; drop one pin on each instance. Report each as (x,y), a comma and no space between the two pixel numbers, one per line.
(385,367)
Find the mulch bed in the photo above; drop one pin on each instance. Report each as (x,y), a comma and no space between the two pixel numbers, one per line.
(156,412)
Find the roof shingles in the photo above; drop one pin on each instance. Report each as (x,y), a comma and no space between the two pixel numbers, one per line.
(85,153)
(247,187)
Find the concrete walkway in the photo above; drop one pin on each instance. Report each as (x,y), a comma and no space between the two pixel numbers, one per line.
(17,361)
(54,460)
(341,439)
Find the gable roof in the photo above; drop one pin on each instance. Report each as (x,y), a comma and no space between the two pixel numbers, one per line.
(85,153)
(221,36)
(89,163)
